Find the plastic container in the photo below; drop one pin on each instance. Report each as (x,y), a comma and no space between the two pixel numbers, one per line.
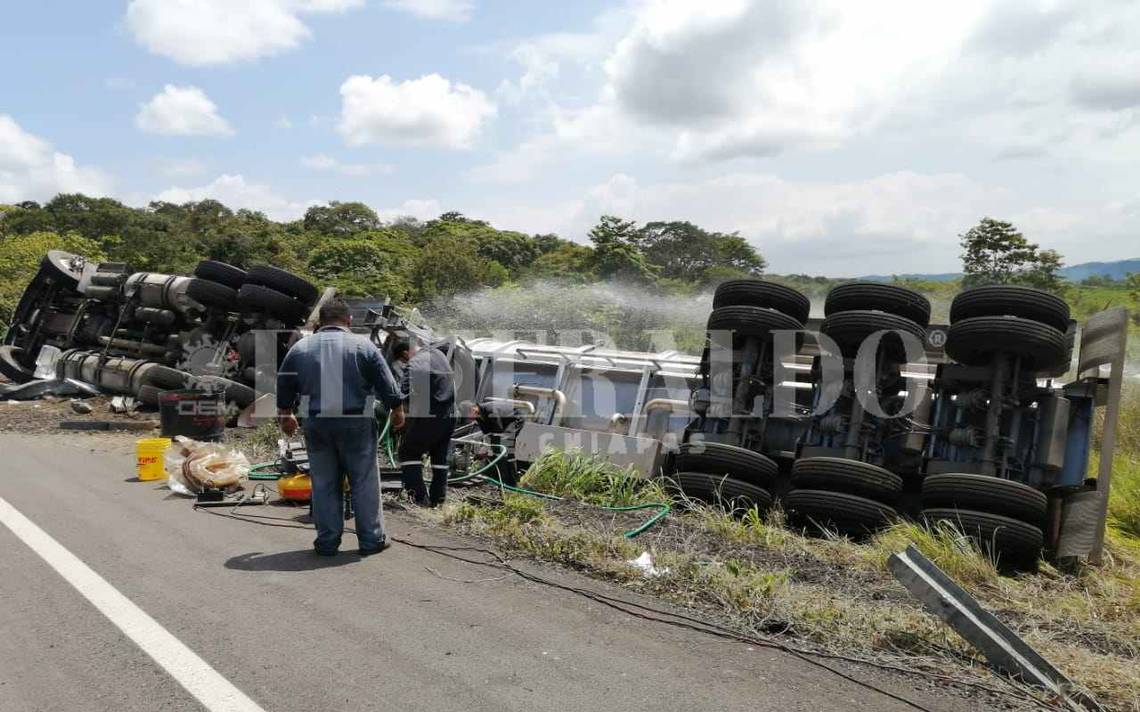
(149,453)
(295,488)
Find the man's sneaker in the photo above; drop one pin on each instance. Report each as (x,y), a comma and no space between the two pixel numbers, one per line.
(384,544)
(325,552)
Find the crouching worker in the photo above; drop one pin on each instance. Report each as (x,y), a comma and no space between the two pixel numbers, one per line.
(428,386)
(499,422)
(334,377)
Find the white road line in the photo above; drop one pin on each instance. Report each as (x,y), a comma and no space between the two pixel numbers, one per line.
(215,692)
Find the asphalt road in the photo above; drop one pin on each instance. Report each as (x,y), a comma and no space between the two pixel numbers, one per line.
(294,632)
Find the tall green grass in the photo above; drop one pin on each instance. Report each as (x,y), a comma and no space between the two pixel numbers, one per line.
(1124,498)
(574,475)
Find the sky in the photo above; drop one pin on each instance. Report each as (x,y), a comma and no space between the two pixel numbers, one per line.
(839,138)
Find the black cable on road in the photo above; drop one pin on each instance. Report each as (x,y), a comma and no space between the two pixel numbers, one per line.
(650,613)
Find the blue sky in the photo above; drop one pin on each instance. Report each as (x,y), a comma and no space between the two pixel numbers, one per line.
(839,141)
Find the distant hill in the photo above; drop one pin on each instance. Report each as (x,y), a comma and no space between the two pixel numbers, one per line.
(1116,270)
(1073,273)
(941,277)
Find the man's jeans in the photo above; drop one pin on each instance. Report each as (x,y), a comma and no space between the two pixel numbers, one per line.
(339,447)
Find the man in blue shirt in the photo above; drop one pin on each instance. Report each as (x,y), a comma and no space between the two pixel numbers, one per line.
(334,377)
(427,384)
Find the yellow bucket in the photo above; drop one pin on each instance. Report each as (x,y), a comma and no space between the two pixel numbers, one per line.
(150,452)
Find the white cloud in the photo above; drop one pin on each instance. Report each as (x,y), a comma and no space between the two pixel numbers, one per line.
(418,209)
(237,193)
(450,10)
(323,162)
(31,169)
(182,111)
(283,122)
(429,111)
(204,32)
(740,77)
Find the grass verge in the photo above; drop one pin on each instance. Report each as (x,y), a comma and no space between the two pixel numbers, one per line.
(763,578)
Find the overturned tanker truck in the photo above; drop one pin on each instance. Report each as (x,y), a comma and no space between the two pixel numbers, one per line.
(848,422)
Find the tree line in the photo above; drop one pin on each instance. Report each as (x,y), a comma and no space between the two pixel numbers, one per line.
(347,245)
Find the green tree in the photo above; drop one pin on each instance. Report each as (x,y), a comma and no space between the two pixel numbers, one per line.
(369,265)
(569,262)
(995,252)
(512,250)
(451,265)
(341,219)
(683,251)
(616,252)
(1132,284)
(1044,272)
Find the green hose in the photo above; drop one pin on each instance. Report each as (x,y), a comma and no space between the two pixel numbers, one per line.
(258,471)
(663,508)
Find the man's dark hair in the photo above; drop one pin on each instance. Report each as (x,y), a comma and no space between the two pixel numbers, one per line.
(334,311)
(401,347)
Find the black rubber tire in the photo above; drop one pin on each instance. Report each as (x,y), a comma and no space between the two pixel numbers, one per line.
(727,492)
(727,460)
(1010,542)
(212,294)
(982,493)
(12,360)
(758,293)
(285,282)
(974,341)
(888,298)
(836,474)
(1011,300)
(850,329)
(221,273)
(255,298)
(148,395)
(750,321)
(166,378)
(835,511)
(234,392)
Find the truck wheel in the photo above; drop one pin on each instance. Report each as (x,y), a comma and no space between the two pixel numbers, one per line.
(888,298)
(1011,300)
(727,460)
(212,294)
(221,273)
(1011,543)
(732,494)
(836,474)
(750,321)
(974,341)
(758,293)
(12,366)
(57,263)
(824,511)
(255,298)
(849,329)
(983,493)
(284,282)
